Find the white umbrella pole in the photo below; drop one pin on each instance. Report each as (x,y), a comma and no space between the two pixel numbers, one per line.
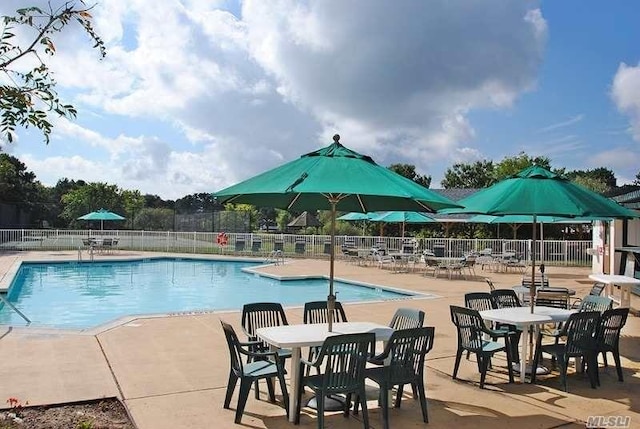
(331,299)
(532,290)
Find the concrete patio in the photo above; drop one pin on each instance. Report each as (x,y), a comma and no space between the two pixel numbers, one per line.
(171,372)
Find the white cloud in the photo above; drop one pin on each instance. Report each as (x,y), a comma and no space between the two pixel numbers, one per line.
(572,120)
(625,92)
(395,79)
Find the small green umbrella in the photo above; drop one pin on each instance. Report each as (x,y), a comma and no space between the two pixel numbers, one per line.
(101,215)
(334,178)
(535,192)
(356,216)
(402,217)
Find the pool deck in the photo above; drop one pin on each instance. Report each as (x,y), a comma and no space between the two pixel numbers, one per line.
(171,372)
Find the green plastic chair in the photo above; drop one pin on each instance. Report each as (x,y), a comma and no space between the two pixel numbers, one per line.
(262,365)
(405,353)
(471,330)
(340,366)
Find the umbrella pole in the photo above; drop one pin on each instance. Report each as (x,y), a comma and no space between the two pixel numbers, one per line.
(532,290)
(331,299)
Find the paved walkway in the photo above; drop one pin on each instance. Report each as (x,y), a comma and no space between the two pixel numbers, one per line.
(171,372)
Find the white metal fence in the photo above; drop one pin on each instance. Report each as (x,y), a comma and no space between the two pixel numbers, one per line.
(553,252)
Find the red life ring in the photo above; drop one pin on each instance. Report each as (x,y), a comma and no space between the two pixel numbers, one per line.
(222,239)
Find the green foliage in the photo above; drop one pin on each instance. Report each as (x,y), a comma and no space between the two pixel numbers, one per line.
(247,208)
(599,179)
(475,175)
(17,184)
(28,97)
(409,171)
(154,219)
(202,202)
(91,197)
(85,424)
(514,164)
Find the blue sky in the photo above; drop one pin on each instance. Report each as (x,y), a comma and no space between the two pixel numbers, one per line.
(195,96)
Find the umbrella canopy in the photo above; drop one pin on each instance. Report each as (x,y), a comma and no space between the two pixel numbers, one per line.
(334,178)
(101,215)
(536,191)
(402,217)
(356,216)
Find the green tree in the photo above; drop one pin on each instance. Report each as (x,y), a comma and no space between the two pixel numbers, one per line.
(202,202)
(409,171)
(514,164)
(478,174)
(17,184)
(91,197)
(132,203)
(28,90)
(154,219)
(248,208)
(599,179)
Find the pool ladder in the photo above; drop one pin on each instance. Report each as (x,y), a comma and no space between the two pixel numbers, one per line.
(11,306)
(80,253)
(276,257)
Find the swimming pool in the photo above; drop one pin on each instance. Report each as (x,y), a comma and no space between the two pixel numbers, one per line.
(80,295)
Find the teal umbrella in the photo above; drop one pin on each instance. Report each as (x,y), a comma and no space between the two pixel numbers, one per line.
(402,217)
(333,178)
(536,192)
(101,215)
(356,216)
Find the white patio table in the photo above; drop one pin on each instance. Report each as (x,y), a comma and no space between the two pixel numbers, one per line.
(309,335)
(522,318)
(625,283)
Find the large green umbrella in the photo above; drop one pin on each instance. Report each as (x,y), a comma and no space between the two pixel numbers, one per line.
(535,192)
(356,216)
(101,215)
(334,178)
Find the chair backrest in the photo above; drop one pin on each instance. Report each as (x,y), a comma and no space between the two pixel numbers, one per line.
(469,326)
(407,318)
(256,244)
(343,359)
(505,298)
(479,301)
(239,246)
(317,312)
(407,349)
(258,315)
(552,298)
(580,330)
(490,283)
(541,281)
(430,261)
(235,356)
(611,323)
(597,288)
(87,241)
(469,260)
(596,303)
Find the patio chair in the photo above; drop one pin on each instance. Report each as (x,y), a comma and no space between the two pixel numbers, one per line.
(608,337)
(490,283)
(262,365)
(107,245)
(404,353)
(579,331)
(596,290)
(556,298)
(240,243)
(481,301)
(384,260)
(256,245)
(505,298)
(317,312)
(469,263)
(470,331)
(432,264)
(261,315)
(300,246)
(541,281)
(340,365)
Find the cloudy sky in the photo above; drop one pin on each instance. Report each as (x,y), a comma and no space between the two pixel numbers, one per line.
(196,95)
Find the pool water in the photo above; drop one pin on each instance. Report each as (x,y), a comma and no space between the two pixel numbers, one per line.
(80,295)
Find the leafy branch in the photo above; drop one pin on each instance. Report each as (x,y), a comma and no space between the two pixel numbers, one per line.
(28,97)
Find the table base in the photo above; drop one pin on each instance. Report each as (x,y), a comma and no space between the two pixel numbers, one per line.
(539,371)
(331,403)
